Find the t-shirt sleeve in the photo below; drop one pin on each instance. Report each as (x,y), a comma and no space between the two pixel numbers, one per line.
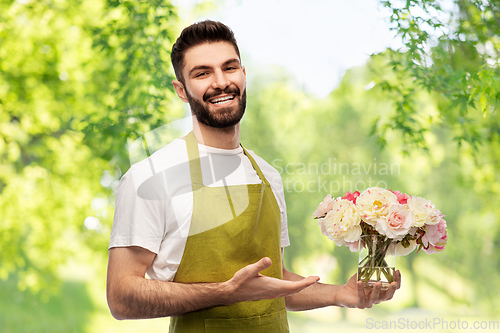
(139,210)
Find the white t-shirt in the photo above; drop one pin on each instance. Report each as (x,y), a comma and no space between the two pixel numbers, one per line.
(154,201)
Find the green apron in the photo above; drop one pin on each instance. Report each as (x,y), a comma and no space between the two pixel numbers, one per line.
(231,227)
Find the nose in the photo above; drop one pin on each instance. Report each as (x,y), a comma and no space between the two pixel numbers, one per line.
(220,80)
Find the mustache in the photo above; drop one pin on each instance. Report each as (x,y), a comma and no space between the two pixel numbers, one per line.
(219,91)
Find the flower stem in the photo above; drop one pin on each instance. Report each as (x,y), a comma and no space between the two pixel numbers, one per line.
(374,263)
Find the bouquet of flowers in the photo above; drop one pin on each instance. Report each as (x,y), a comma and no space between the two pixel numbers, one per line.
(400,222)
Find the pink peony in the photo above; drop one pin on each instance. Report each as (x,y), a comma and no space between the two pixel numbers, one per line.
(324,207)
(438,247)
(402,197)
(397,223)
(351,196)
(435,238)
(353,246)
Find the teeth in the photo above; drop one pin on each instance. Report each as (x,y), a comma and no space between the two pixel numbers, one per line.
(222,99)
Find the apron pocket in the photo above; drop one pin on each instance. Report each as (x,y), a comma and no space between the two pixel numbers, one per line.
(275,322)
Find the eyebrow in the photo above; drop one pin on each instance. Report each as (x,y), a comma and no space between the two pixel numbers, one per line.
(227,62)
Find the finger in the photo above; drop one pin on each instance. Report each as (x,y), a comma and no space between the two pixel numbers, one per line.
(361,295)
(375,294)
(292,287)
(300,284)
(306,282)
(260,265)
(264,263)
(398,279)
(390,292)
(252,269)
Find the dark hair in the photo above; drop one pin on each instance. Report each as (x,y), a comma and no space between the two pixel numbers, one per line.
(198,33)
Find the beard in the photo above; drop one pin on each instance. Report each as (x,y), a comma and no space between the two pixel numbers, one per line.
(223,117)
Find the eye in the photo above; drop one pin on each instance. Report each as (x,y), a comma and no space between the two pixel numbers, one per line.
(200,74)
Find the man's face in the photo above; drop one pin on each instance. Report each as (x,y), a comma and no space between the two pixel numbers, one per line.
(215,85)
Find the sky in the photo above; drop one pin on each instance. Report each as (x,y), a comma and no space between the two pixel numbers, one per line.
(315,40)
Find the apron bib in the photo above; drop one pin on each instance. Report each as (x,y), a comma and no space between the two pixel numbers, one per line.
(231,227)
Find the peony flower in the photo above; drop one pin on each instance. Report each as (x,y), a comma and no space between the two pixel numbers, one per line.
(436,216)
(402,197)
(424,210)
(435,237)
(324,207)
(373,203)
(351,196)
(403,251)
(353,246)
(438,247)
(342,223)
(397,223)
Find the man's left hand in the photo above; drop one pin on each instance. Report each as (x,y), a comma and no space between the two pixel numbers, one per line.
(354,295)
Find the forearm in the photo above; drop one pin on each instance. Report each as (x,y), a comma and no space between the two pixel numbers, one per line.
(316,296)
(139,298)
(132,296)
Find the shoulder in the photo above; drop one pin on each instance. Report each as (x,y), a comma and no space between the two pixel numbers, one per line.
(161,160)
(147,174)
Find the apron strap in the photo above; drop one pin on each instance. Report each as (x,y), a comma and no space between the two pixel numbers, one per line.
(194,161)
(256,167)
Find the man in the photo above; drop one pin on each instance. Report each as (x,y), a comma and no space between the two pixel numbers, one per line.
(210,240)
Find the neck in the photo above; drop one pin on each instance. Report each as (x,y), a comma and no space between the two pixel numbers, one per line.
(223,138)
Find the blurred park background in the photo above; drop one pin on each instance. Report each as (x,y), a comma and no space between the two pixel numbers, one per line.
(81,80)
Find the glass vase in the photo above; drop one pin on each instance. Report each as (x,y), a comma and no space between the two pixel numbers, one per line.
(377,260)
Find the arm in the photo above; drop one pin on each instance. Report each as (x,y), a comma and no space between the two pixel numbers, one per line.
(350,295)
(131,296)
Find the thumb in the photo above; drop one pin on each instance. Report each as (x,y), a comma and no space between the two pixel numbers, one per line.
(252,269)
(260,265)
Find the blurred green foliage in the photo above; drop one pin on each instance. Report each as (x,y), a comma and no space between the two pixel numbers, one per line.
(452,53)
(78,79)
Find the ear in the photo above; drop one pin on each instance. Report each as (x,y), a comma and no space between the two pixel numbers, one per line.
(180,90)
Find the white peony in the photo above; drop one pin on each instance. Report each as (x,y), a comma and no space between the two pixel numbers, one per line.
(342,223)
(424,210)
(374,202)
(403,251)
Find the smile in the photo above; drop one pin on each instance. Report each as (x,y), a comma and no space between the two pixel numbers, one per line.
(222,100)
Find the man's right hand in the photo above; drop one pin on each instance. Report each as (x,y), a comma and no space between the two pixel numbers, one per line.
(248,284)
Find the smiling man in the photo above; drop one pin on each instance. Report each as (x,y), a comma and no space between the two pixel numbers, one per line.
(209,236)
